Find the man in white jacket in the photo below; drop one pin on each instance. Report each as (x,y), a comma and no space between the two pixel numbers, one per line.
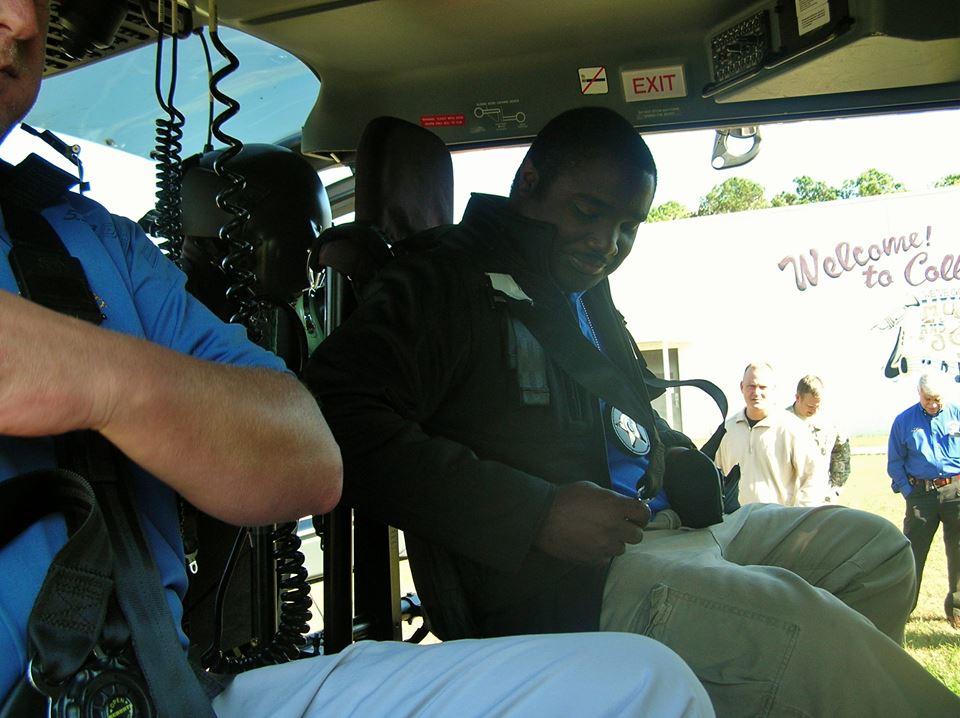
(775,451)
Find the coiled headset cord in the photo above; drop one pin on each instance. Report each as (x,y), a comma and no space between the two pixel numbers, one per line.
(167,154)
(294,614)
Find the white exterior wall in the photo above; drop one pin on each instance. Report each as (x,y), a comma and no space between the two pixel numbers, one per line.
(714,287)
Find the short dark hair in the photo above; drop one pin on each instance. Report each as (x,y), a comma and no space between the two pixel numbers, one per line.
(587,133)
(810,385)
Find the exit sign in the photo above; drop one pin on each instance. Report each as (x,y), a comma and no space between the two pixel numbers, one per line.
(656,83)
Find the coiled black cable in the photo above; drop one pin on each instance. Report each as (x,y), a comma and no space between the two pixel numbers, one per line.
(294,607)
(167,154)
(208,145)
(294,591)
(238,260)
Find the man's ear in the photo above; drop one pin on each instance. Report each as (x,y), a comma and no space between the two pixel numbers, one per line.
(526,180)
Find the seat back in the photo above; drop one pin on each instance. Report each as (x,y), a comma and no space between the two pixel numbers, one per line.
(404,179)
(404,185)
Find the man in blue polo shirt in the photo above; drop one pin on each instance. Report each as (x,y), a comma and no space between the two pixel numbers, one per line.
(923,460)
(202,412)
(148,379)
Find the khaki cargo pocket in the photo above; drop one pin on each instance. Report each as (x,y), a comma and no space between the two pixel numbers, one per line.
(739,655)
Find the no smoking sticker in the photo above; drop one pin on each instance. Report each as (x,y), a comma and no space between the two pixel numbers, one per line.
(593,81)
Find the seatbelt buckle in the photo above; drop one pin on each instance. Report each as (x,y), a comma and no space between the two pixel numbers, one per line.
(40,684)
(107,684)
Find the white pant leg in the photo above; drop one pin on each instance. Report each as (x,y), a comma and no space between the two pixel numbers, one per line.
(583,675)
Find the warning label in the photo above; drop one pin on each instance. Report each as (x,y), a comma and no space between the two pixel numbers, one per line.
(655,83)
(503,113)
(593,81)
(812,14)
(456,120)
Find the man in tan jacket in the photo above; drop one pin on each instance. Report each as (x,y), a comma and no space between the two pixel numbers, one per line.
(775,452)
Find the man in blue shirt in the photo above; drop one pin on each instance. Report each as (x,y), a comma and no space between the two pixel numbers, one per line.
(148,379)
(200,411)
(923,460)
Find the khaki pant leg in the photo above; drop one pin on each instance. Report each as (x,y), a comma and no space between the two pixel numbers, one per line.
(859,557)
(765,641)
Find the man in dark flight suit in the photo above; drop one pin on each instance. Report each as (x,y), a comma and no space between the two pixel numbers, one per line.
(452,394)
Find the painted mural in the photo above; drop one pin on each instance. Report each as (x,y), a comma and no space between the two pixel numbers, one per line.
(863,293)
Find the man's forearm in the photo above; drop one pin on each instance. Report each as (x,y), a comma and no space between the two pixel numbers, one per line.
(246,445)
(897,459)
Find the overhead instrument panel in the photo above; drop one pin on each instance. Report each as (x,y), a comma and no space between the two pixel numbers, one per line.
(137,27)
(806,48)
(741,50)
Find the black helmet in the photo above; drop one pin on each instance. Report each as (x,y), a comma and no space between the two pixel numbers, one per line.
(288,208)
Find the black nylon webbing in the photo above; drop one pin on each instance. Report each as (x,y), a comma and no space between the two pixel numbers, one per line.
(68,613)
(712,390)
(34,183)
(594,371)
(45,272)
(30,229)
(173,685)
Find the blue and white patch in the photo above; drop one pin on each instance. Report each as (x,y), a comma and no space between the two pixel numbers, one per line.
(632,435)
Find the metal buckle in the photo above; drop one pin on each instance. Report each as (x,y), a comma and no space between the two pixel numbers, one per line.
(52,691)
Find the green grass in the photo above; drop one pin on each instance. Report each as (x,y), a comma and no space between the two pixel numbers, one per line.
(868,440)
(929,638)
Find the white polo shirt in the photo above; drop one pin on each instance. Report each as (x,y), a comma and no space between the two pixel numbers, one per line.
(777,458)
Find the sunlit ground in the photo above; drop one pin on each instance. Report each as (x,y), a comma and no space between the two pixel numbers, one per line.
(930,639)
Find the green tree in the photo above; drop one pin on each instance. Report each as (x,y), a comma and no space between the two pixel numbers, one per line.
(806,191)
(784,199)
(668,211)
(948,181)
(811,190)
(870,183)
(736,194)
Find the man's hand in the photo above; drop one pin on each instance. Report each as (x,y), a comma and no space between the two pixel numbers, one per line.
(590,524)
